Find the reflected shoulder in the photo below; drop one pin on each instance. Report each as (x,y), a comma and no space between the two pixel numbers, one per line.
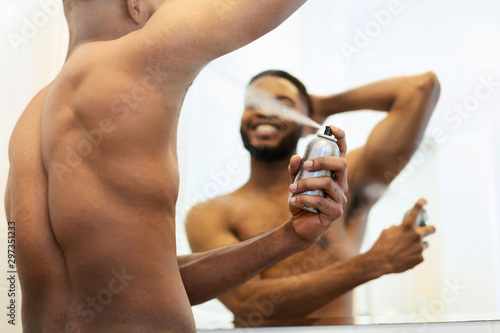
(214,207)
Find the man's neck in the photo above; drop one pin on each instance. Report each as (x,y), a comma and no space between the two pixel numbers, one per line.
(269,176)
(78,39)
(88,23)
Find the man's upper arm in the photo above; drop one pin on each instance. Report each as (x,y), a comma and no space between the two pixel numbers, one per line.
(207,227)
(184,35)
(393,141)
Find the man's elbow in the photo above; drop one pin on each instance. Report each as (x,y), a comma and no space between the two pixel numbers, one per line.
(428,84)
(242,309)
(248,305)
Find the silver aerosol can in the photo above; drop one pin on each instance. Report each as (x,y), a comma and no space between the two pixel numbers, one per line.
(422,218)
(324,145)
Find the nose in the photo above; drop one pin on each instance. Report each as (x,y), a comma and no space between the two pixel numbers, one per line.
(263,112)
(264,115)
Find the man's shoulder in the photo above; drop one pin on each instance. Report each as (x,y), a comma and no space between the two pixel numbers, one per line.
(223,203)
(96,77)
(90,58)
(221,209)
(209,217)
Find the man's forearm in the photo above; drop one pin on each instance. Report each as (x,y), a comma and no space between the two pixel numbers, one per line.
(296,296)
(379,96)
(209,274)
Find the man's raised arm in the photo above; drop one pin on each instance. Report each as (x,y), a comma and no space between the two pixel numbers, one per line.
(190,33)
(409,100)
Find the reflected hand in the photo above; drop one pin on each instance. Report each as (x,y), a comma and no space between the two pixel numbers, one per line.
(310,226)
(320,109)
(400,248)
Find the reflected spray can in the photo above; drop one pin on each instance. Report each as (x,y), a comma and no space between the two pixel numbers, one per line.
(422,218)
(323,145)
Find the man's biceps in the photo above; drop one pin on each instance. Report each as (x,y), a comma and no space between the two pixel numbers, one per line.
(215,240)
(198,237)
(206,241)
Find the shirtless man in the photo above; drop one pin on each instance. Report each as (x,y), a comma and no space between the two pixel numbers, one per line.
(317,283)
(94,179)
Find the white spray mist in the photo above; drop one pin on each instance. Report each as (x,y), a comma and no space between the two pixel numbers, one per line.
(269,105)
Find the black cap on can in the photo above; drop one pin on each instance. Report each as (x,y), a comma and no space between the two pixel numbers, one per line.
(328,131)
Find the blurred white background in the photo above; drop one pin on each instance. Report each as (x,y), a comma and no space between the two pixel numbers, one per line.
(333,45)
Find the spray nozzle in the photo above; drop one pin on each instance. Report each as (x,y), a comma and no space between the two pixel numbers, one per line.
(328,131)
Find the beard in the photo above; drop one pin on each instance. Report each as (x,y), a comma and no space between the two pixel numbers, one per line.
(283,150)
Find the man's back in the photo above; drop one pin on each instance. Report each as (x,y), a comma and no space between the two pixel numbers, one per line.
(111,180)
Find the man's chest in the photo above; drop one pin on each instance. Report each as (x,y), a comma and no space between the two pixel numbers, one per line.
(255,217)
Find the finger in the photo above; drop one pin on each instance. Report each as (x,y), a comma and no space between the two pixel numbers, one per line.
(325,205)
(337,194)
(426,231)
(420,259)
(293,167)
(341,140)
(336,164)
(411,218)
(325,184)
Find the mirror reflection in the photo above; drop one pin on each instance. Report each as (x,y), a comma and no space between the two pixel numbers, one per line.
(317,283)
(458,279)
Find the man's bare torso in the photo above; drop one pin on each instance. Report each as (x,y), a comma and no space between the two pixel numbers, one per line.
(250,212)
(94,168)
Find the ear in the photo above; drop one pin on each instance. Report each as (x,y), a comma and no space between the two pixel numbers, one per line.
(134,9)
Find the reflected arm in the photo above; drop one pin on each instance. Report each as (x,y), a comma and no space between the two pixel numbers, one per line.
(209,228)
(385,95)
(296,296)
(293,295)
(409,101)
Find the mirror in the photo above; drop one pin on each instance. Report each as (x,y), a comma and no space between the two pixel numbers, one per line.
(332,46)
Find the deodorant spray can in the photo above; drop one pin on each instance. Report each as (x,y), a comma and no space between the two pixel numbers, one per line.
(324,145)
(422,218)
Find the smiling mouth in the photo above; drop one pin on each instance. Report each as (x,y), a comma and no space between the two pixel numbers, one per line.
(266,129)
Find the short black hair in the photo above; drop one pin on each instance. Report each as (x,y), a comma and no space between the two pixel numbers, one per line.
(292,79)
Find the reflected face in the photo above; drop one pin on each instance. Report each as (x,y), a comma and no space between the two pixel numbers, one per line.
(267,136)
